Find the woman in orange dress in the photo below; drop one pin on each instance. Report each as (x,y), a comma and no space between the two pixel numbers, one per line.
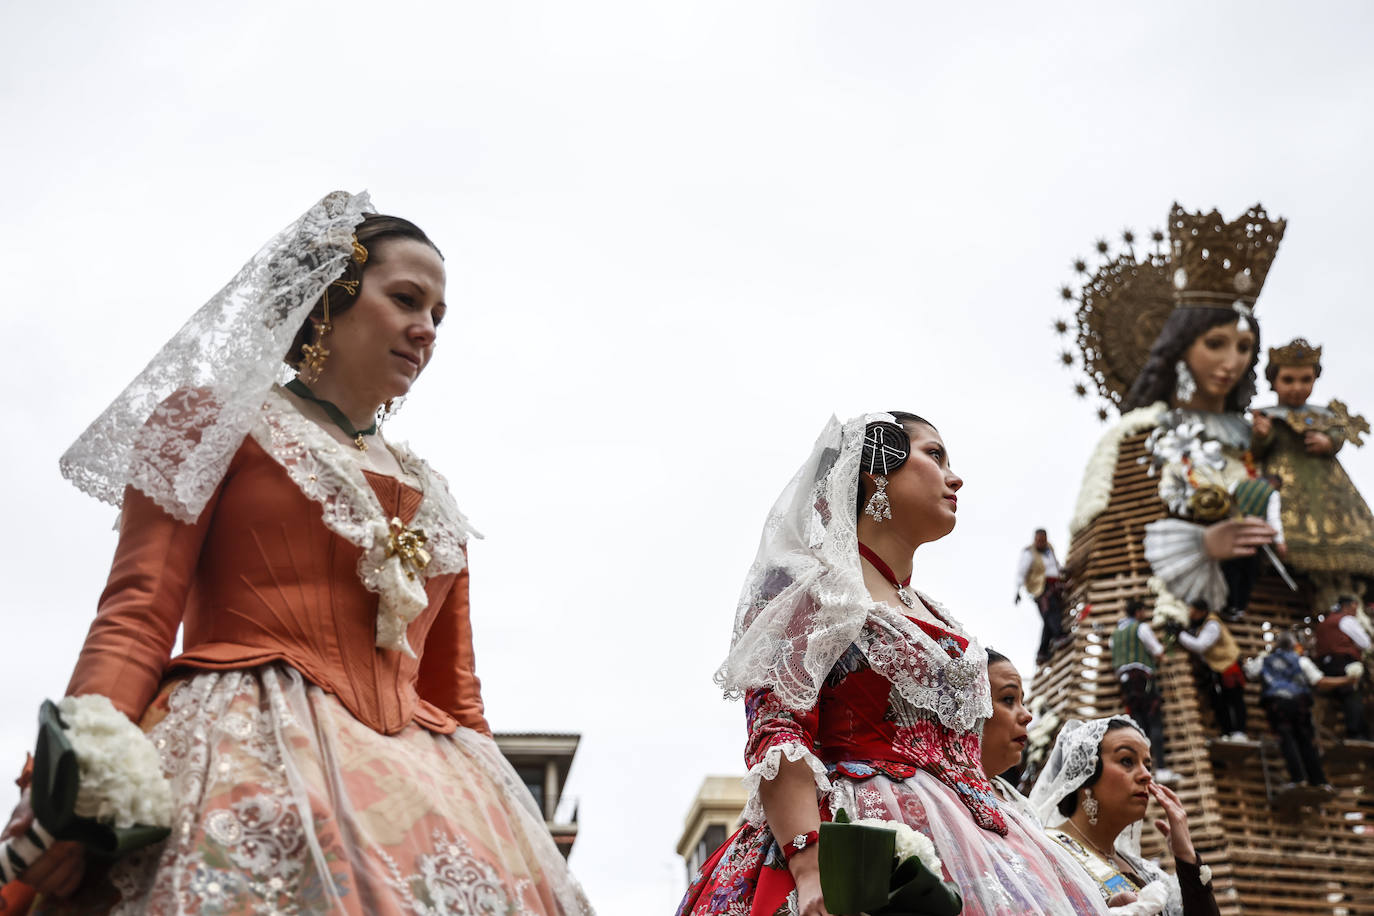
(323,729)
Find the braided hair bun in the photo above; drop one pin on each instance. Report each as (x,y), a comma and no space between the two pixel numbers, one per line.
(886,447)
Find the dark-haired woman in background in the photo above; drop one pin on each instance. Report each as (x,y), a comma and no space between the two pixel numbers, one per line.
(863,694)
(1092,795)
(1004,733)
(323,728)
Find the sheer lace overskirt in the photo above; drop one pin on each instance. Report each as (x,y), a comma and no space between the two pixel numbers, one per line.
(320,467)
(287,804)
(804,602)
(173,431)
(1023,872)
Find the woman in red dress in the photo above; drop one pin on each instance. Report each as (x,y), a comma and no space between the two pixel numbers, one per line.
(862,694)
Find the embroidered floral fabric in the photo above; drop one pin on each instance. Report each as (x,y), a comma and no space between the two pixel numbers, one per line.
(861,727)
(286,804)
(876,755)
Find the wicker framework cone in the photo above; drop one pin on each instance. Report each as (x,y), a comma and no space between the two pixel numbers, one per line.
(1265,858)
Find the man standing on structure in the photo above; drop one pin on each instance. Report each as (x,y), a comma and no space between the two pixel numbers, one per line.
(1211,641)
(1287,679)
(1039,573)
(1340,638)
(1135,654)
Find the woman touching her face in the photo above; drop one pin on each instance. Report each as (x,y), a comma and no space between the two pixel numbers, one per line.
(1092,796)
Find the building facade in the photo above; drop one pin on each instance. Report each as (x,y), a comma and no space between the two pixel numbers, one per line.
(542,760)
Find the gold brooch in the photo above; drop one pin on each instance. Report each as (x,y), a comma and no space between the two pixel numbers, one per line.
(409,545)
(1210,503)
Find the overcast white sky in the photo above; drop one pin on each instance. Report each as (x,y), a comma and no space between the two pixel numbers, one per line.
(679,236)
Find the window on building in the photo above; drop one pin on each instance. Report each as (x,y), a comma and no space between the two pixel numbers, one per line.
(532,775)
(710,841)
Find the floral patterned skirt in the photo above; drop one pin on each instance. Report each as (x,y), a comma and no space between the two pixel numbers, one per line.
(287,804)
(1023,872)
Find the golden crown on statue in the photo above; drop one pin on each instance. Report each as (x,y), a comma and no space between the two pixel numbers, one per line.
(1297,352)
(1219,263)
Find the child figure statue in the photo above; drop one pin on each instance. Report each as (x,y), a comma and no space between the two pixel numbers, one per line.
(1328,525)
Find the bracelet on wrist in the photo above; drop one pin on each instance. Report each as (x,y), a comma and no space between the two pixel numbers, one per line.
(798,843)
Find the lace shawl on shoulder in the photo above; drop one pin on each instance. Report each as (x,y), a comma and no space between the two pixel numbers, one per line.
(172,432)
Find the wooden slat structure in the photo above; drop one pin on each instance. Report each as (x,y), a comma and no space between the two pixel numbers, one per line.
(1268,859)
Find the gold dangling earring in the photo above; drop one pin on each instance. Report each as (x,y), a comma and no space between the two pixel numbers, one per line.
(314,355)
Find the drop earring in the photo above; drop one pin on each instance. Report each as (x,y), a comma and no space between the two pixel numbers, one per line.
(1186,386)
(878,508)
(1090,806)
(314,355)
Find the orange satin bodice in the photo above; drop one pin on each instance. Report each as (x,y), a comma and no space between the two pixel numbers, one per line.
(258,579)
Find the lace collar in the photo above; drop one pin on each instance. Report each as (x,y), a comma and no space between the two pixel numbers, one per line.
(321,468)
(922,670)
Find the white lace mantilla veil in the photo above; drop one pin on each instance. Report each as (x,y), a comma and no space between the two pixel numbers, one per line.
(173,431)
(804,602)
(1072,762)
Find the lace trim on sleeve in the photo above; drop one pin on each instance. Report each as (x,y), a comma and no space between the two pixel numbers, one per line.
(767,770)
(319,467)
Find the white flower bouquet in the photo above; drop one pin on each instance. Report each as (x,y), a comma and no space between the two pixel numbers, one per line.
(883,868)
(96,779)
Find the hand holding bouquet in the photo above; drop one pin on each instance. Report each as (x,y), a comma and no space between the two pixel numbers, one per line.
(96,780)
(883,868)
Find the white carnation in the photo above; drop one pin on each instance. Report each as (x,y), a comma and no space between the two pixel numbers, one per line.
(121,779)
(909,843)
(1168,609)
(1354,669)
